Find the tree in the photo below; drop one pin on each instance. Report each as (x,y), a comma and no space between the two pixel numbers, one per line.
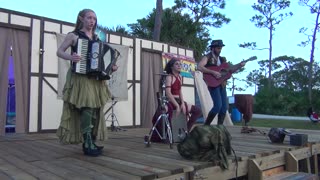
(288,93)
(176,28)
(157,21)
(314,9)
(269,18)
(118,29)
(204,11)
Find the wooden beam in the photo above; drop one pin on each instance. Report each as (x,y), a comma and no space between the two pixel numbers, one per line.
(302,153)
(215,172)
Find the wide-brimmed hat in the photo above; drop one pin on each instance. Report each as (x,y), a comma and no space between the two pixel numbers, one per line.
(216,43)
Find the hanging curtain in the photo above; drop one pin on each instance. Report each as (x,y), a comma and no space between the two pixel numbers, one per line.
(4,64)
(151,66)
(20,54)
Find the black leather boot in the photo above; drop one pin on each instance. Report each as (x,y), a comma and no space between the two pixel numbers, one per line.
(210,118)
(221,119)
(94,138)
(88,147)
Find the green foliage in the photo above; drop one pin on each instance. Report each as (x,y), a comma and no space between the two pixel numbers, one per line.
(185,24)
(267,9)
(204,11)
(176,28)
(289,92)
(118,29)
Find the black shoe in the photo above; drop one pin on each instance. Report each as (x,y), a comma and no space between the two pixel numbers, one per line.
(91,152)
(98,147)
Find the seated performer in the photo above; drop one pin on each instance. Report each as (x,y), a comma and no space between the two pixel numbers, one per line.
(175,96)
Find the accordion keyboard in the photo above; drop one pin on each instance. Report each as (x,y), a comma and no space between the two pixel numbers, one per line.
(82,51)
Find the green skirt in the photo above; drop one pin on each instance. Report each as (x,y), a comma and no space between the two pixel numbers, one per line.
(81,91)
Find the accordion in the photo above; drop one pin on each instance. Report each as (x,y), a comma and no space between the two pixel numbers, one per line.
(97,59)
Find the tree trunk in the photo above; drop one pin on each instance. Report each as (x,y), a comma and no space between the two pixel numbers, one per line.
(312,60)
(157,21)
(270,56)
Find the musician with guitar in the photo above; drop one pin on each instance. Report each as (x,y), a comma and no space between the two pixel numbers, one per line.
(84,96)
(211,65)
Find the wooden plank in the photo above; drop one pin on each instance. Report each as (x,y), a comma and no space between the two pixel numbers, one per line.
(301,153)
(17,151)
(134,169)
(272,172)
(59,170)
(4,176)
(92,171)
(13,171)
(293,176)
(172,166)
(215,172)
(36,172)
(37,149)
(271,161)
(184,176)
(126,156)
(315,149)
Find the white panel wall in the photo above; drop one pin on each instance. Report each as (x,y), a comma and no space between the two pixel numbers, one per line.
(188,94)
(157,46)
(138,58)
(50,59)
(138,104)
(51,106)
(130,65)
(166,48)
(33,112)
(67,29)
(115,39)
(181,51)
(20,20)
(127,41)
(35,47)
(173,49)
(123,111)
(50,26)
(189,53)
(146,44)
(189,81)
(4,17)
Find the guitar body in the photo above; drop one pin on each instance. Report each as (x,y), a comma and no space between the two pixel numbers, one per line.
(212,81)
(225,70)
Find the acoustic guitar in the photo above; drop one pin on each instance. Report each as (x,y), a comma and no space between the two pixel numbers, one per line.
(225,70)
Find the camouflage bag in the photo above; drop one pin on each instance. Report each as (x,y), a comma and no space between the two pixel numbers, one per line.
(207,143)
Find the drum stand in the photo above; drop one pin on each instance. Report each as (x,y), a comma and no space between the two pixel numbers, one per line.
(114,119)
(164,119)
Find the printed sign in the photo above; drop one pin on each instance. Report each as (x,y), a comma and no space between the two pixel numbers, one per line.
(188,64)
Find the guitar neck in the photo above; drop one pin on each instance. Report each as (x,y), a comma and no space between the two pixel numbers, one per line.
(238,66)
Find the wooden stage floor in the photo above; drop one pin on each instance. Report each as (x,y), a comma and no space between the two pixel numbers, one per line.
(41,156)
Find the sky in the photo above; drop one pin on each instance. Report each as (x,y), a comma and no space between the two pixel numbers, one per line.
(239,30)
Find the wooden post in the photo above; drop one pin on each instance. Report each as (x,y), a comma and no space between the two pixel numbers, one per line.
(292,164)
(315,151)
(254,171)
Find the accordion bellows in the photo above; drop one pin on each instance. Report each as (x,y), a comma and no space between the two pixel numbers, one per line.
(97,59)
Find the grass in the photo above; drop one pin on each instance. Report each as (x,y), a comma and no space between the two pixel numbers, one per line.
(288,124)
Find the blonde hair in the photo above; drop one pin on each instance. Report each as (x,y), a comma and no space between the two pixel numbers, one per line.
(79,23)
